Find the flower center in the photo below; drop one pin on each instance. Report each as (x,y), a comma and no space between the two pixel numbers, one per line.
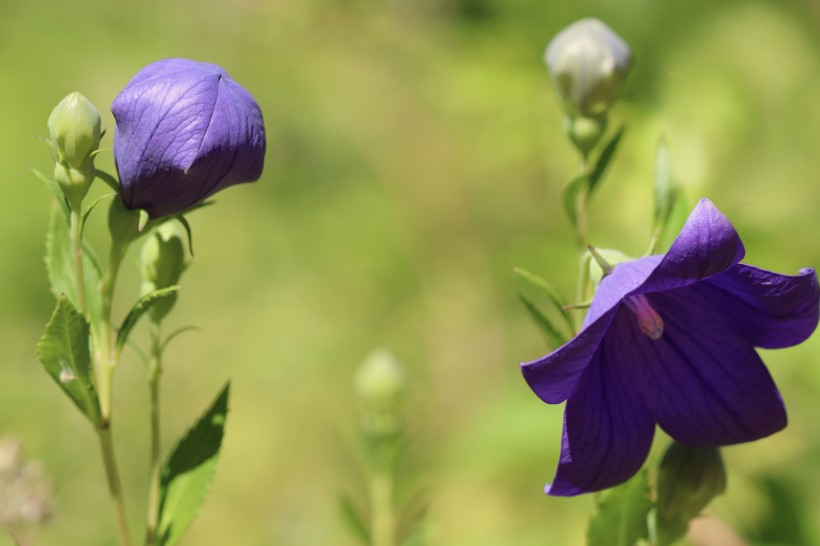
(649,320)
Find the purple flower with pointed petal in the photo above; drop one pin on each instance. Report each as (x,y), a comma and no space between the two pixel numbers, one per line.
(670,340)
(185,130)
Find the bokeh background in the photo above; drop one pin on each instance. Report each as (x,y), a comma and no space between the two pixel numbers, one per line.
(415,156)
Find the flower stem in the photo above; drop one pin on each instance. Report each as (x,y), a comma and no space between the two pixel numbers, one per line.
(114,485)
(77,254)
(154,372)
(382,516)
(106,358)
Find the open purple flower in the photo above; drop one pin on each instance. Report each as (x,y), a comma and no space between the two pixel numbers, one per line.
(185,130)
(670,340)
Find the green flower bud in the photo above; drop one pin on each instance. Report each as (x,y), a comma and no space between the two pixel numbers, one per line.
(162,262)
(688,479)
(74,126)
(380,386)
(589,64)
(585,132)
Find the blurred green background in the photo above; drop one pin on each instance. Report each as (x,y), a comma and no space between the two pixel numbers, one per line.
(415,156)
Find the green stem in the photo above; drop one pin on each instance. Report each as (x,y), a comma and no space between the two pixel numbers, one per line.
(106,358)
(154,372)
(382,517)
(77,254)
(581,209)
(114,485)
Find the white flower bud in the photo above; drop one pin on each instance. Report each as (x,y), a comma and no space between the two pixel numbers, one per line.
(589,64)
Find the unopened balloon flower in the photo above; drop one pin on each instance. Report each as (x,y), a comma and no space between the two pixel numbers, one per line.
(670,340)
(185,130)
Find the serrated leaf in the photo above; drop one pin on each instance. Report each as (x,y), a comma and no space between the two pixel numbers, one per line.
(140,308)
(621,519)
(64,352)
(604,159)
(554,338)
(187,475)
(55,190)
(545,288)
(60,267)
(354,520)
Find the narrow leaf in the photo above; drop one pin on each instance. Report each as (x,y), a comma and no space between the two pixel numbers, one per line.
(575,190)
(621,519)
(143,304)
(666,189)
(93,204)
(60,266)
(173,335)
(55,190)
(112,182)
(63,351)
(674,222)
(603,161)
(545,288)
(187,475)
(554,337)
(354,520)
(187,226)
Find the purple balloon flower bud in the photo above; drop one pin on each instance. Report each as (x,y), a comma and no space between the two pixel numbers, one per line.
(185,130)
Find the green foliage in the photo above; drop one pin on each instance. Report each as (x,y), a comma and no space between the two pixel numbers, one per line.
(63,351)
(621,518)
(583,186)
(60,266)
(556,334)
(55,190)
(187,475)
(140,308)
(352,516)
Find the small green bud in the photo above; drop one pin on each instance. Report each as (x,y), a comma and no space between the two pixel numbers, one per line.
(380,385)
(688,479)
(585,132)
(589,64)
(124,224)
(74,126)
(162,262)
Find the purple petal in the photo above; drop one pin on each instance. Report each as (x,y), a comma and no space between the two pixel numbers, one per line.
(607,429)
(770,310)
(185,130)
(706,246)
(555,376)
(702,381)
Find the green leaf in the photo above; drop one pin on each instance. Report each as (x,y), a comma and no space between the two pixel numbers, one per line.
(55,190)
(554,337)
(545,288)
(677,218)
(112,182)
(60,266)
(621,519)
(582,186)
(574,191)
(93,204)
(354,520)
(64,352)
(187,475)
(187,226)
(143,304)
(604,159)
